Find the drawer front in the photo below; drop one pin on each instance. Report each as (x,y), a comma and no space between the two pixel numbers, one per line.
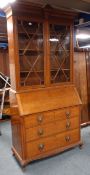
(40,146)
(38,119)
(51,128)
(67,113)
(40,131)
(68,138)
(68,124)
(54,142)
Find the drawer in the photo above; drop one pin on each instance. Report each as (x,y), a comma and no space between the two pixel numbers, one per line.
(38,119)
(67,124)
(62,114)
(68,138)
(40,131)
(40,146)
(50,143)
(51,128)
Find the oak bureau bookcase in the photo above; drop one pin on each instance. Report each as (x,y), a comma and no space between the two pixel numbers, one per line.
(46,105)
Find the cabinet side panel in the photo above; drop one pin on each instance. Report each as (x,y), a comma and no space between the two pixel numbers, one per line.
(80,80)
(13,52)
(16,135)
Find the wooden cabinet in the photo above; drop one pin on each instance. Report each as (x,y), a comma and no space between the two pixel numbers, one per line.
(46,105)
(42,46)
(81,82)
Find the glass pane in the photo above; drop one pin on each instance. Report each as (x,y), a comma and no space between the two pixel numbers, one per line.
(59,53)
(31,53)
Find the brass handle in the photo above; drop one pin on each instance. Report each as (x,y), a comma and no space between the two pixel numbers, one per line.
(68,124)
(40,132)
(40,118)
(67,138)
(67,114)
(41,146)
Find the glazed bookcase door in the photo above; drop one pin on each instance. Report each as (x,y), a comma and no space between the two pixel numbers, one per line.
(31,53)
(59,53)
